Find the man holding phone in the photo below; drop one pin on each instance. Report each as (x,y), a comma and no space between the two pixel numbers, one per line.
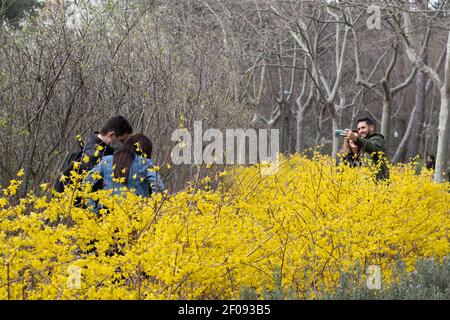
(371,143)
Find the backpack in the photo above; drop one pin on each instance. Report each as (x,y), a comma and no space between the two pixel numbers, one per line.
(68,165)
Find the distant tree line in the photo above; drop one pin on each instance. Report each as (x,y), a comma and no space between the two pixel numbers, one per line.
(304,67)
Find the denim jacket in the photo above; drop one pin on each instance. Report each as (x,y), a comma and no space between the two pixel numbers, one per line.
(142,179)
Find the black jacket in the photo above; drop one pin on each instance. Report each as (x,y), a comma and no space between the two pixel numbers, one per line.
(374,145)
(90,150)
(351,159)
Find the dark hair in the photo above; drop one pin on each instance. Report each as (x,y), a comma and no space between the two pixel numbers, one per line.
(118,124)
(432,157)
(366,120)
(136,144)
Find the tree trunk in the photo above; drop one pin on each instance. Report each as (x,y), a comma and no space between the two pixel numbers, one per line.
(284,126)
(400,154)
(418,117)
(441,157)
(299,126)
(386,119)
(334,151)
(443,129)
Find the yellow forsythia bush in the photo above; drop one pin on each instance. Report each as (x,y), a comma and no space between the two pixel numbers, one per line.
(310,220)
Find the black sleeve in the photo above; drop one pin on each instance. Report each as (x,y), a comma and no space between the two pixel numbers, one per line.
(371,145)
(91,155)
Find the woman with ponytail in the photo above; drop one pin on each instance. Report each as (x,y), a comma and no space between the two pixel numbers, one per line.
(131,166)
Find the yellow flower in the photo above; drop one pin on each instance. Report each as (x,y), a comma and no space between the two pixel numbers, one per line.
(76,165)
(312,218)
(12,188)
(96,176)
(223,174)
(206,180)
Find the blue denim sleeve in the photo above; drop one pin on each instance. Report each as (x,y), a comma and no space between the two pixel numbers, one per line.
(156,183)
(97,168)
(160,184)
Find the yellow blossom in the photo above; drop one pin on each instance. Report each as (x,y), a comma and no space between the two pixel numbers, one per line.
(223,174)
(310,218)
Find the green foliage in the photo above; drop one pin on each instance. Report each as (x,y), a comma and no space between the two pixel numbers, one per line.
(277,293)
(420,165)
(430,281)
(3,122)
(248,293)
(14,10)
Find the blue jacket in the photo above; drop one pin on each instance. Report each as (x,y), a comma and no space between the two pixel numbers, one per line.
(141,179)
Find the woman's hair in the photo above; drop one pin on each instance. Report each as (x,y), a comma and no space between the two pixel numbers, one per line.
(346,146)
(136,144)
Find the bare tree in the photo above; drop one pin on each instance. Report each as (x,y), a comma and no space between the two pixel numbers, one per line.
(443,84)
(382,87)
(307,38)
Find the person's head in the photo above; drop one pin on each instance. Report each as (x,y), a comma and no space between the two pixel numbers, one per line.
(365,127)
(139,144)
(431,158)
(116,130)
(136,144)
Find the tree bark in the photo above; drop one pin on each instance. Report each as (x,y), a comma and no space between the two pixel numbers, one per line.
(418,115)
(300,116)
(331,107)
(301,110)
(443,128)
(386,118)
